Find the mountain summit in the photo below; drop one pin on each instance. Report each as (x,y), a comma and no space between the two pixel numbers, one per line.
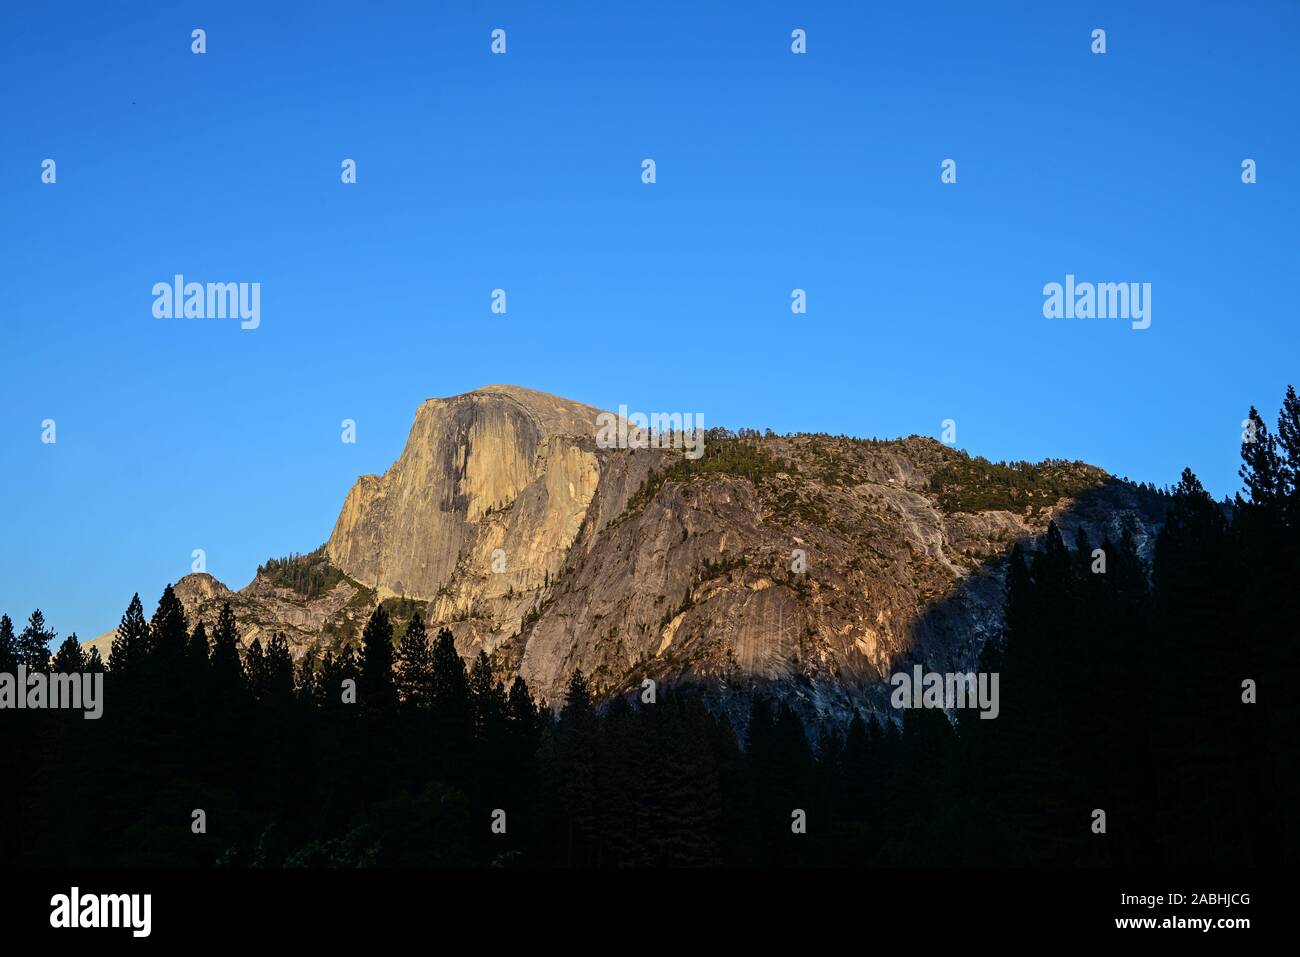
(811,565)
(497,468)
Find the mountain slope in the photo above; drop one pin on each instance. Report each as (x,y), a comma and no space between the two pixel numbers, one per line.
(810,564)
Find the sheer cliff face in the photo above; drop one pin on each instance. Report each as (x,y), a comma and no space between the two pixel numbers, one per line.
(499,468)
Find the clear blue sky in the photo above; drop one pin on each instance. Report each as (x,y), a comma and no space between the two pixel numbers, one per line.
(522,171)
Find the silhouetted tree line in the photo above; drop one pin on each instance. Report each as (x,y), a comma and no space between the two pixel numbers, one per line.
(1122,691)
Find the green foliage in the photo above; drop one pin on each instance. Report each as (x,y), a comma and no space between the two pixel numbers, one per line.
(724,454)
(796,503)
(309,576)
(414,666)
(967,484)
(401,609)
(673,612)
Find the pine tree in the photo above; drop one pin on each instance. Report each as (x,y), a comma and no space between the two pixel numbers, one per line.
(1082,554)
(1265,637)
(1288,443)
(523,733)
(1192,564)
(857,764)
(575,773)
(453,712)
(376,690)
(227,668)
(328,683)
(450,686)
(1262,469)
(9,655)
(94,663)
(196,656)
(304,685)
(521,712)
(131,643)
(489,700)
(274,683)
(577,701)
(415,664)
(255,666)
(69,658)
(34,643)
(347,668)
(1282,659)
(169,633)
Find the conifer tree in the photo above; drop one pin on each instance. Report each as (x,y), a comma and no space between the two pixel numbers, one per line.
(1265,637)
(520,706)
(130,647)
(227,668)
(34,643)
(1191,573)
(169,632)
(69,658)
(276,678)
(1262,468)
(347,665)
(577,701)
(450,687)
(9,655)
(375,689)
(857,765)
(328,680)
(522,716)
(255,666)
(1288,444)
(489,700)
(574,774)
(453,713)
(304,683)
(414,670)
(196,656)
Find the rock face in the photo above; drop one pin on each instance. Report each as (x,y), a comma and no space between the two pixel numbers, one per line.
(810,565)
(501,467)
(262,608)
(701,583)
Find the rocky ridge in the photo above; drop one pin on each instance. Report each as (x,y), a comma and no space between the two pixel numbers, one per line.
(812,565)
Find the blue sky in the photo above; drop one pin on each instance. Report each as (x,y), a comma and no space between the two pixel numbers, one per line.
(522,172)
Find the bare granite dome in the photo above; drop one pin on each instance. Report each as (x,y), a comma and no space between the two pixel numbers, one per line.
(500,467)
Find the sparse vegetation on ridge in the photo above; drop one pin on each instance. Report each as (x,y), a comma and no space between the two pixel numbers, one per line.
(740,455)
(977,485)
(310,575)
